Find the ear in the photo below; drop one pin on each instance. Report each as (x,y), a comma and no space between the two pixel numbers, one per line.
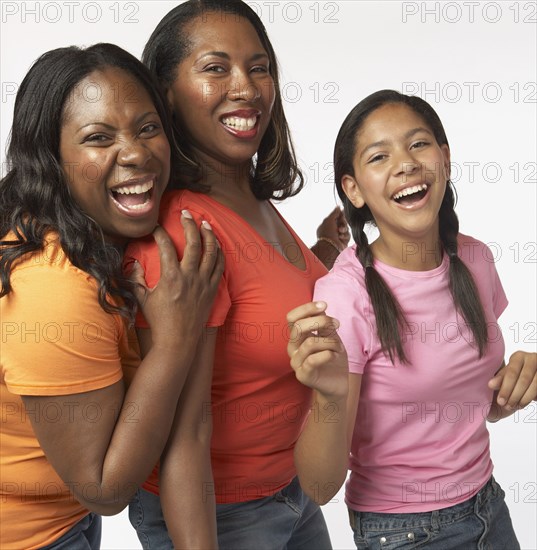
(352,190)
(447,159)
(170,97)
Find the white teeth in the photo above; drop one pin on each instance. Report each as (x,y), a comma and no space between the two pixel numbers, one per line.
(134,189)
(410,191)
(241,124)
(138,206)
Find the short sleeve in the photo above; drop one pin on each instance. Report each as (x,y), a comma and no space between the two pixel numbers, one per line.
(56,338)
(145,251)
(344,302)
(499,299)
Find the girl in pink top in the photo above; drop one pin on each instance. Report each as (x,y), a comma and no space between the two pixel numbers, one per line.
(418,310)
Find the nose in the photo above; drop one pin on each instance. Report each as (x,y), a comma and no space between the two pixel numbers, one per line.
(133,152)
(405,164)
(243,88)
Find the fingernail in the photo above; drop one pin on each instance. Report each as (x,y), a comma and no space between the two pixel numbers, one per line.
(207,225)
(502,401)
(186,214)
(320,305)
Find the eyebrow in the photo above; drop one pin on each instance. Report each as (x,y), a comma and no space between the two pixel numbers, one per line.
(225,55)
(109,127)
(384,142)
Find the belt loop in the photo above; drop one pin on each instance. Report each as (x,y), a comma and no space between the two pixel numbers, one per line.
(354,520)
(435,520)
(358,523)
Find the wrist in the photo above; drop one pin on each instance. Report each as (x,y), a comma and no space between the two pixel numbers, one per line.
(331,242)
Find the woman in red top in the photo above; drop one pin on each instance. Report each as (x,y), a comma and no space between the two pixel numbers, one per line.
(220,74)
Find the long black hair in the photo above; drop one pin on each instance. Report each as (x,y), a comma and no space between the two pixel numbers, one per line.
(275,173)
(388,314)
(34,196)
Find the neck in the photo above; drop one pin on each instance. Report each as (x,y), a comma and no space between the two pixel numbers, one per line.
(225,179)
(413,254)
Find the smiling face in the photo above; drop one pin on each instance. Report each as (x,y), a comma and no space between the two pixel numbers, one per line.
(223,92)
(114,153)
(400,172)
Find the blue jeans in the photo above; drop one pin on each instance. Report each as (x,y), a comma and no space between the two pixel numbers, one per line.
(480,523)
(85,535)
(287,520)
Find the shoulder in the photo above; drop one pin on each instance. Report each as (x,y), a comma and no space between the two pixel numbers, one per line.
(468,247)
(474,252)
(173,202)
(344,280)
(48,280)
(51,263)
(347,265)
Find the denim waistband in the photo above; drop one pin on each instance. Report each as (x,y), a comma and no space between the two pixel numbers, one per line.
(377,521)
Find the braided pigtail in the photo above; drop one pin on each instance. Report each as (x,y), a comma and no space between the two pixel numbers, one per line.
(461,283)
(388,314)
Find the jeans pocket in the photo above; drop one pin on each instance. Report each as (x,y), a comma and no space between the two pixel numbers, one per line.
(400,540)
(360,542)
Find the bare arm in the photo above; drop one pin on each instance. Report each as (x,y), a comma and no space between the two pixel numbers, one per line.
(320,362)
(104,456)
(186,481)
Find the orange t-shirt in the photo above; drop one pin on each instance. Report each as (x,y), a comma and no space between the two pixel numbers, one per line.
(258,406)
(55,340)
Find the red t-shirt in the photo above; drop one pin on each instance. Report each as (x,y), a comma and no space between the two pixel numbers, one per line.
(258,406)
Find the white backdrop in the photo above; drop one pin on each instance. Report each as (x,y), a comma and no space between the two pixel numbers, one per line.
(475,62)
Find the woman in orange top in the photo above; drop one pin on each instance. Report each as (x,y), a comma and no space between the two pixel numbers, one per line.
(89,159)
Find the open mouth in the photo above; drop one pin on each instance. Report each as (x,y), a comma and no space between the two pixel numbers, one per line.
(239,123)
(411,195)
(134,197)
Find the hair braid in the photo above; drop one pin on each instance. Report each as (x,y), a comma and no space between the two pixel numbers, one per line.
(461,283)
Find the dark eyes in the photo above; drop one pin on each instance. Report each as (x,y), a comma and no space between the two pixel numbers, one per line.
(215,69)
(221,69)
(376,158)
(148,130)
(96,138)
(419,144)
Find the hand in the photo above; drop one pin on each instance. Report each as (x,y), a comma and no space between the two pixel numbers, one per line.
(516,382)
(181,301)
(317,354)
(335,228)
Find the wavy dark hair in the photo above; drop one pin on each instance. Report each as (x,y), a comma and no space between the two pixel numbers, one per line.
(34,196)
(388,314)
(275,173)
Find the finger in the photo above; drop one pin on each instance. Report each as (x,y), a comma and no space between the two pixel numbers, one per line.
(219,266)
(321,327)
(167,252)
(305,310)
(342,220)
(311,347)
(495,383)
(510,378)
(210,249)
(192,253)
(136,276)
(523,384)
(335,214)
(530,395)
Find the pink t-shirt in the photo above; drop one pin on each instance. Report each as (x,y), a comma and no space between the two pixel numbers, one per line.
(420,441)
